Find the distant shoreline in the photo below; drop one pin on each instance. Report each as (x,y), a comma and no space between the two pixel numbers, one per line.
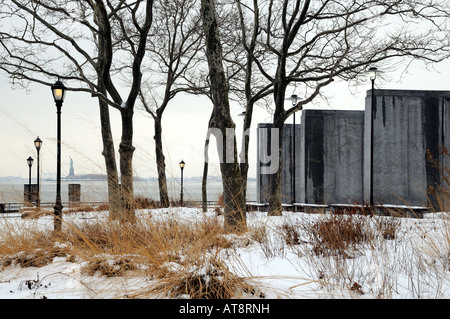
(96,190)
(100,177)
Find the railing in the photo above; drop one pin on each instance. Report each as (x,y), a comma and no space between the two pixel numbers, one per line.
(14,207)
(412,211)
(10,207)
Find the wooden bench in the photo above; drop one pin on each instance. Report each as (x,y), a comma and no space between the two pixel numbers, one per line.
(351,209)
(309,208)
(401,210)
(254,206)
(9,207)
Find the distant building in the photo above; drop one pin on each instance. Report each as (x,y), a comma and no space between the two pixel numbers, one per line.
(328,159)
(408,125)
(332,151)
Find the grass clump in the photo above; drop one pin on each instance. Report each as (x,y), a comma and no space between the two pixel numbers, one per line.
(203,278)
(109,267)
(338,234)
(173,254)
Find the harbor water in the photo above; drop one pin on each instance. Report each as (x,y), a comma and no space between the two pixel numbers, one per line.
(12,191)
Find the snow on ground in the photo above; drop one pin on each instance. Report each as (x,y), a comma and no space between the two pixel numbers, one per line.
(414,265)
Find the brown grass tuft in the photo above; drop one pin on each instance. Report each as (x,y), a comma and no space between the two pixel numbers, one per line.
(203,278)
(174,254)
(338,234)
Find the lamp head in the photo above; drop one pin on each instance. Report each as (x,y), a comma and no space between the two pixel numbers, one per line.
(58,91)
(30,161)
(294,99)
(38,143)
(372,72)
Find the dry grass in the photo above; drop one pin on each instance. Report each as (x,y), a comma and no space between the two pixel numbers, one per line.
(31,249)
(338,234)
(205,277)
(186,259)
(88,208)
(181,258)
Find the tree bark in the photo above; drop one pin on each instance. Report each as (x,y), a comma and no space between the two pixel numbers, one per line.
(110,162)
(275,207)
(126,150)
(160,164)
(205,177)
(245,146)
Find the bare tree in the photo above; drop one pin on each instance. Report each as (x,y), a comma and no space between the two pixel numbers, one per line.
(254,87)
(176,40)
(238,39)
(234,210)
(84,43)
(311,43)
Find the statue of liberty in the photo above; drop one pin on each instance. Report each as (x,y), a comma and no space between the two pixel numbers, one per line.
(71,171)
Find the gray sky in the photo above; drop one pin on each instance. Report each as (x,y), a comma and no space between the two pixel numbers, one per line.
(24,116)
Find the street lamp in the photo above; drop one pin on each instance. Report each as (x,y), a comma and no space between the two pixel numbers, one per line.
(372,72)
(30,163)
(294,100)
(182,164)
(58,91)
(38,144)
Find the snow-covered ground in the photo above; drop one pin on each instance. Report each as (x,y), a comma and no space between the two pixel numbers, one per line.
(416,264)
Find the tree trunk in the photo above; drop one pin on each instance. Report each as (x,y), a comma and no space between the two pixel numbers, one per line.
(103,71)
(234,211)
(110,162)
(205,168)
(275,207)
(161,165)
(205,176)
(204,187)
(126,150)
(246,137)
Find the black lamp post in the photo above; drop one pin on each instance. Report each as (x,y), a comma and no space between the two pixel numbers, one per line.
(58,91)
(182,164)
(372,72)
(38,144)
(294,100)
(30,163)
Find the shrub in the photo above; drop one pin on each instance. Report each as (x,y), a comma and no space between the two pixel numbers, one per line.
(144,202)
(202,279)
(388,227)
(291,234)
(220,200)
(337,234)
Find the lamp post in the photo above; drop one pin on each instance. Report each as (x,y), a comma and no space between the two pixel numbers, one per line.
(372,73)
(294,100)
(30,163)
(58,91)
(38,144)
(182,164)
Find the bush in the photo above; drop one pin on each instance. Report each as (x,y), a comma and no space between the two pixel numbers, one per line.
(388,227)
(202,279)
(338,234)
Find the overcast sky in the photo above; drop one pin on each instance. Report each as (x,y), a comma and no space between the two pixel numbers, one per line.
(26,115)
